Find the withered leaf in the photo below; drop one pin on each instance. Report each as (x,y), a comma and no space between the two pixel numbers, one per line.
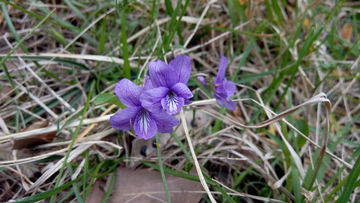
(347,31)
(32,141)
(143,185)
(97,192)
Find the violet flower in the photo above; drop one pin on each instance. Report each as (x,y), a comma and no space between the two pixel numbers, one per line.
(170,91)
(224,89)
(202,80)
(145,123)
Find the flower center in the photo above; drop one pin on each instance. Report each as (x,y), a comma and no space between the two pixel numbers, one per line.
(172,101)
(144,120)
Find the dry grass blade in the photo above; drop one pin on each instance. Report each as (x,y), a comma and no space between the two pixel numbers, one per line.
(67,105)
(37,100)
(54,168)
(320,98)
(52,128)
(199,22)
(75,56)
(197,165)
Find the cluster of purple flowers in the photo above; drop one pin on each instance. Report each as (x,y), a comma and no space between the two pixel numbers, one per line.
(151,108)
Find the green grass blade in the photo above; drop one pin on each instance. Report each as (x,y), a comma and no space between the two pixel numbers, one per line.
(74,136)
(49,193)
(110,188)
(350,183)
(123,37)
(10,24)
(161,167)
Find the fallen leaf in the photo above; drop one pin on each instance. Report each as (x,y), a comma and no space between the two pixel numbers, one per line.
(6,153)
(146,186)
(97,192)
(346,31)
(31,141)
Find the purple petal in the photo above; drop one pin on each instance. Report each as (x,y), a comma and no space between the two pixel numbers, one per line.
(230,105)
(202,80)
(222,70)
(187,101)
(223,93)
(128,92)
(227,103)
(229,87)
(151,99)
(122,119)
(144,126)
(164,122)
(220,91)
(147,83)
(182,90)
(172,103)
(181,66)
(159,73)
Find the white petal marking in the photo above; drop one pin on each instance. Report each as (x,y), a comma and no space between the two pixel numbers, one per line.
(172,102)
(144,121)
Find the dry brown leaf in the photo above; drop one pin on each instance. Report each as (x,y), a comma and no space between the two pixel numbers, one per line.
(346,31)
(97,192)
(35,140)
(6,153)
(143,185)
(4,89)
(237,113)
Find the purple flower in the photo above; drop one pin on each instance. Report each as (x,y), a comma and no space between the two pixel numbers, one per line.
(145,123)
(224,89)
(202,80)
(170,91)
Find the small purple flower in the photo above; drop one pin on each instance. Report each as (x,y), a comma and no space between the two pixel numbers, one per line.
(170,91)
(145,123)
(202,80)
(224,89)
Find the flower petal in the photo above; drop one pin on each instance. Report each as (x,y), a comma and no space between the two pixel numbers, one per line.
(187,101)
(164,122)
(144,126)
(220,92)
(128,92)
(122,119)
(229,87)
(151,99)
(182,90)
(202,80)
(159,73)
(222,70)
(230,105)
(227,103)
(181,66)
(147,83)
(172,103)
